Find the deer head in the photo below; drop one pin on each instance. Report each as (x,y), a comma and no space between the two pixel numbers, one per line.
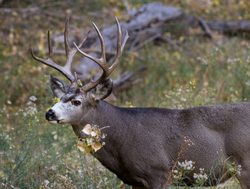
(76,99)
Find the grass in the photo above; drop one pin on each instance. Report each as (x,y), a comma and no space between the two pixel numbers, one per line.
(35,154)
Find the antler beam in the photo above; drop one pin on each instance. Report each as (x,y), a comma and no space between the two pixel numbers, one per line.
(102,62)
(70,53)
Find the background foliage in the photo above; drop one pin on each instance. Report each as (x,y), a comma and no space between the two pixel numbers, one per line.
(35,154)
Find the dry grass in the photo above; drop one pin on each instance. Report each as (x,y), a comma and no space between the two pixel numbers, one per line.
(35,154)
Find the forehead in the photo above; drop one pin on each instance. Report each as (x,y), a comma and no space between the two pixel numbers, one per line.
(70,93)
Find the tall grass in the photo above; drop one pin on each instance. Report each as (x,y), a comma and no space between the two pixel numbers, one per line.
(35,154)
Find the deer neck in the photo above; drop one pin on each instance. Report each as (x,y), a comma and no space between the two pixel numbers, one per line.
(108,117)
(103,115)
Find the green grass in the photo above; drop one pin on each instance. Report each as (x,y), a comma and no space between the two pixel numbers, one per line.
(35,154)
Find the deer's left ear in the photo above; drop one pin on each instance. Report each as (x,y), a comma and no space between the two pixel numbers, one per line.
(102,90)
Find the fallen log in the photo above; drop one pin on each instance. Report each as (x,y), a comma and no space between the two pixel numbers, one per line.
(144,26)
(230,27)
(147,24)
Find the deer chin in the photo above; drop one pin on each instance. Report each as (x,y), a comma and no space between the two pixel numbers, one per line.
(56,121)
(53,121)
(61,121)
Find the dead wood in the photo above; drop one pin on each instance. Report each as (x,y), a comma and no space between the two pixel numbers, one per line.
(147,24)
(230,27)
(128,79)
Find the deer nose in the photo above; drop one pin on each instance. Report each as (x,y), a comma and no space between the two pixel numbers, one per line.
(50,115)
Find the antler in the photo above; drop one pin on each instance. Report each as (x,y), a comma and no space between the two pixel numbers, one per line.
(70,53)
(102,62)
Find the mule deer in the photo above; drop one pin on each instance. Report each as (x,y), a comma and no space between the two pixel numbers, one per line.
(142,144)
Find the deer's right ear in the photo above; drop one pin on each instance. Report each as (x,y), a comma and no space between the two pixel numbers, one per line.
(57,86)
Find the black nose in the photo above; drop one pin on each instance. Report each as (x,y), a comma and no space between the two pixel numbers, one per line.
(50,115)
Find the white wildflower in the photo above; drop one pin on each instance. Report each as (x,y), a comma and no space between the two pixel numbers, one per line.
(93,133)
(87,129)
(200,178)
(46,182)
(30,109)
(33,98)
(186,165)
(239,169)
(175,171)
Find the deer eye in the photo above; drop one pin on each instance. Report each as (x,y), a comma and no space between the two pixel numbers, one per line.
(75,102)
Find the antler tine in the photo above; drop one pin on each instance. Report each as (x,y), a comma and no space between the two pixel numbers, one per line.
(120,46)
(49,44)
(72,53)
(102,62)
(103,49)
(66,40)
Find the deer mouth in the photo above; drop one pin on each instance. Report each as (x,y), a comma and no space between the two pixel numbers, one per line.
(60,121)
